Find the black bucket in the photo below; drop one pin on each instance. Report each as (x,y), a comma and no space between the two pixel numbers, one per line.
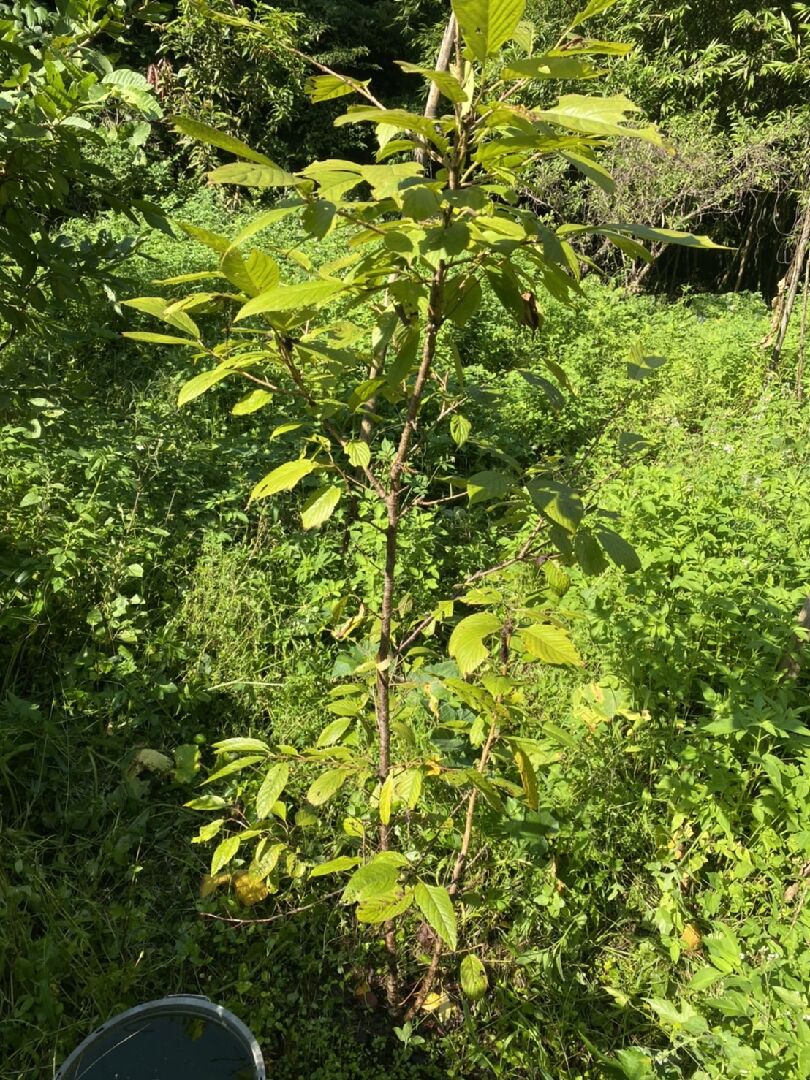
(183,1037)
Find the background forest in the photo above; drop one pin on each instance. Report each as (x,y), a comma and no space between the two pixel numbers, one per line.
(612,448)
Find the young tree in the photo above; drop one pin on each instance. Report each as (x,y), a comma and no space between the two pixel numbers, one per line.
(363,356)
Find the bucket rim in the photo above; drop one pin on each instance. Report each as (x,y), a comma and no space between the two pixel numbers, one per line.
(194,1004)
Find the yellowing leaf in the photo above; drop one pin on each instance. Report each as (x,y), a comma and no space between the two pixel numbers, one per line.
(248,174)
(283,478)
(252,402)
(358,453)
(249,889)
(467,640)
(335,866)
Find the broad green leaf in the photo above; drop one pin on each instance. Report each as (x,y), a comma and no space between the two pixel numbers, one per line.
(186,762)
(594,171)
(318,218)
(262,222)
(358,453)
(399,120)
(420,203)
(665,236)
(327,785)
(252,402)
(161,309)
(283,478)
(335,866)
(380,909)
(292,297)
(460,428)
(202,382)
(328,87)
(435,904)
(234,767)
(223,853)
(158,339)
(266,858)
(557,502)
(490,484)
(447,83)
(272,786)
(241,746)
(588,553)
(595,7)
(386,798)
(206,134)
(467,640)
(622,553)
(578,46)
(552,67)
(550,643)
(409,787)
(247,174)
(206,802)
(473,977)
(487,24)
(528,777)
(375,878)
(598,116)
(335,731)
(209,831)
(320,507)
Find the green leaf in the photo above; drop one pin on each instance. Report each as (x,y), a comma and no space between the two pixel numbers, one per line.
(666,236)
(578,46)
(473,976)
(588,553)
(320,507)
(386,798)
(598,116)
(327,785)
(622,553)
(447,83)
(487,24)
(398,119)
(379,909)
(241,746)
(552,67)
(158,339)
(528,777)
(467,640)
(335,866)
(376,878)
(247,174)
(186,762)
(595,7)
(283,478)
(490,484)
(435,904)
(206,134)
(318,217)
(409,787)
(234,767)
(223,853)
(206,802)
(328,87)
(292,297)
(252,402)
(549,643)
(358,453)
(202,382)
(460,428)
(335,731)
(557,502)
(272,786)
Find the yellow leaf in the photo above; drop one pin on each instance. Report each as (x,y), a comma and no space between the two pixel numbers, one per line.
(250,889)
